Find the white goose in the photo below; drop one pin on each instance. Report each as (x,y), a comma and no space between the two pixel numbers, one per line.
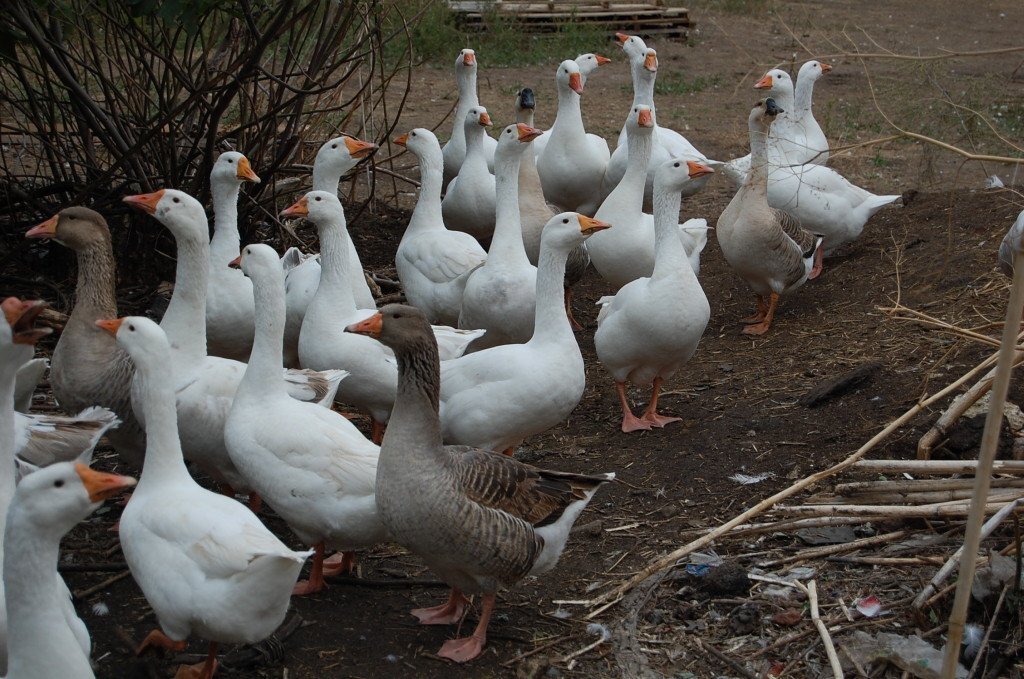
(468,203)
(667,144)
(204,385)
(498,397)
(572,164)
(454,152)
(310,464)
(433,263)
(335,158)
(228,295)
(803,116)
(372,371)
(628,251)
(499,295)
(588,63)
(42,639)
(205,563)
(651,327)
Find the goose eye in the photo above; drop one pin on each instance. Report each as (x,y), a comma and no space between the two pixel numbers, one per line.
(317,199)
(394,315)
(334,146)
(58,483)
(230,160)
(676,165)
(177,200)
(131,327)
(414,134)
(565,221)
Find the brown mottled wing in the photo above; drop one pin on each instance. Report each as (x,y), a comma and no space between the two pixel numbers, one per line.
(534,495)
(804,239)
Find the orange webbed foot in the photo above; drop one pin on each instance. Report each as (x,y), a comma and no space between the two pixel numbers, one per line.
(201,671)
(448,613)
(342,563)
(304,587)
(756,329)
(657,420)
(631,422)
(462,650)
(157,639)
(754,318)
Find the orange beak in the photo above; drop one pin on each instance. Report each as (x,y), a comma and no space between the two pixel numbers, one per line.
(370,327)
(359,149)
(299,209)
(651,61)
(825,68)
(601,61)
(527,133)
(101,485)
(485,119)
(403,140)
(622,38)
(47,229)
(146,202)
(764,83)
(575,83)
(589,225)
(644,118)
(698,170)
(235,263)
(110,325)
(245,172)
(469,58)
(21,316)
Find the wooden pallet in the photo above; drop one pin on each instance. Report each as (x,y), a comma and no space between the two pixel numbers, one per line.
(640,17)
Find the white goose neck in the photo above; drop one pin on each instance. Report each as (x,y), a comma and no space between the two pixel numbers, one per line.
(669,253)
(804,94)
(426,216)
(551,325)
(163,462)
(643,83)
(263,376)
(569,117)
(334,294)
(507,243)
(9,365)
(224,246)
(326,178)
(185,318)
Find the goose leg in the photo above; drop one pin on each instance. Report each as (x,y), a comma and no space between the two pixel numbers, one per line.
(342,563)
(448,613)
(576,327)
(376,431)
(651,414)
(630,422)
(465,649)
(819,257)
(762,309)
(204,670)
(255,503)
(157,639)
(762,327)
(316,576)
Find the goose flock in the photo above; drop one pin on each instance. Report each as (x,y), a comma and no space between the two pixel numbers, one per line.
(240,378)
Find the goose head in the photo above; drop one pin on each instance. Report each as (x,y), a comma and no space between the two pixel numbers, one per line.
(569,77)
(513,140)
(778,83)
(259,261)
(231,169)
(589,63)
(812,70)
(182,214)
(421,142)
(401,327)
(78,228)
(650,62)
(466,61)
(56,498)
(339,155)
(565,231)
(477,120)
(633,45)
(143,339)
(763,113)
(673,175)
(641,120)
(525,100)
(320,207)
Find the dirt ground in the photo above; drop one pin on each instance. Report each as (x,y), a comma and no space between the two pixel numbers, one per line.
(739,397)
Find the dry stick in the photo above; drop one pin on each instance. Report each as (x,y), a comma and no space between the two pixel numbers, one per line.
(611,597)
(811,590)
(988,632)
(790,525)
(989,443)
(938,466)
(731,662)
(936,510)
(836,549)
(89,591)
(917,485)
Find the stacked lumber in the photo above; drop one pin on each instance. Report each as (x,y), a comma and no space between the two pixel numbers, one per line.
(639,17)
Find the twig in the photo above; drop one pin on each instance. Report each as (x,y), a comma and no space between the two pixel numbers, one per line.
(938,466)
(92,567)
(603,636)
(725,659)
(988,631)
(89,591)
(829,550)
(535,650)
(948,567)
(811,589)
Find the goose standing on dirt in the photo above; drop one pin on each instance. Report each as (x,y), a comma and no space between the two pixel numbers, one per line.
(534,210)
(468,203)
(803,116)
(310,464)
(204,385)
(481,521)
(433,263)
(499,296)
(335,158)
(651,327)
(88,368)
(764,245)
(573,162)
(229,312)
(454,152)
(205,563)
(498,397)
(667,144)
(785,144)
(629,255)
(43,641)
